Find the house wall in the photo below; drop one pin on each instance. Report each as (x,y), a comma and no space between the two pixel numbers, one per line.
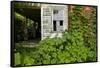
(47,18)
(59,15)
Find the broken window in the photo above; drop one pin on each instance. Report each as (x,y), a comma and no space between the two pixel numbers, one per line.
(55,12)
(61,22)
(54,26)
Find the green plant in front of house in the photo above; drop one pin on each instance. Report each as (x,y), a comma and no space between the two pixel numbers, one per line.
(63,50)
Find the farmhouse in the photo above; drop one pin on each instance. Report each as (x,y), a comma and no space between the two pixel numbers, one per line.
(54,19)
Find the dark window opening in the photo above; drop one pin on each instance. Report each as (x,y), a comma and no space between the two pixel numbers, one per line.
(55,12)
(54,25)
(61,23)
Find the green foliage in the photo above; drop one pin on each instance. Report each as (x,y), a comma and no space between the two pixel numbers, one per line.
(25,27)
(76,45)
(19,16)
(17,58)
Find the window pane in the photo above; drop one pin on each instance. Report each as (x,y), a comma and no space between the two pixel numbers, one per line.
(61,23)
(54,25)
(55,12)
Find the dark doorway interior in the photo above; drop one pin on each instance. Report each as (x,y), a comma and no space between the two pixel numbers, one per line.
(54,25)
(27,23)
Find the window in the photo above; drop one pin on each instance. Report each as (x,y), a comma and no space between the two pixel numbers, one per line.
(61,22)
(55,11)
(54,26)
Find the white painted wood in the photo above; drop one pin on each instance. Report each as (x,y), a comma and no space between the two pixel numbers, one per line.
(65,18)
(47,18)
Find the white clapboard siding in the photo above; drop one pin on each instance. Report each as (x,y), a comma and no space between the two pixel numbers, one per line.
(47,18)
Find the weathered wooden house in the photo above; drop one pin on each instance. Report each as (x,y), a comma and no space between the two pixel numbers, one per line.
(54,19)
